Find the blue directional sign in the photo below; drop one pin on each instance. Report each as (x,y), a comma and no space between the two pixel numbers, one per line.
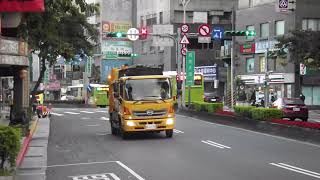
(217,33)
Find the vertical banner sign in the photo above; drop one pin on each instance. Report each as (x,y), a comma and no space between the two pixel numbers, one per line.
(21,5)
(89,66)
(190,63)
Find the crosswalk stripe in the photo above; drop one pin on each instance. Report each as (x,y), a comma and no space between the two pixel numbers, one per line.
(56,114)
(88,112)
(102,111)
(72,113)
(105,118)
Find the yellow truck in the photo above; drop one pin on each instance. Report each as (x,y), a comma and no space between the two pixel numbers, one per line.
(140,100)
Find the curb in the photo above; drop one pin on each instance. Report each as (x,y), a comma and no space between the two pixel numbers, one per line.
(26,142)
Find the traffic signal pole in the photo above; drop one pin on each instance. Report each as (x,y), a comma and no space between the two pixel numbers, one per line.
(184,4)
(232,57)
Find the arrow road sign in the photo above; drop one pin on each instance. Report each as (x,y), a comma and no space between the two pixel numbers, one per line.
(185,28)
(204,30)
(184,40)
(133,34)
(184,51)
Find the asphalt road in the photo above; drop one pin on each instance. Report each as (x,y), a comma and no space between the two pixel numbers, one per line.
(81,147)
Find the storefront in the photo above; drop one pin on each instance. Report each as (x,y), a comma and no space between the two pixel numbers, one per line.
(280,85)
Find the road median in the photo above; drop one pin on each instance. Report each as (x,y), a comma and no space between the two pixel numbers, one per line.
(267,127)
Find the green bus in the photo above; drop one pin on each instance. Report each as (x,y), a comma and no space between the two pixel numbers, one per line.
(196,91)
(100,94)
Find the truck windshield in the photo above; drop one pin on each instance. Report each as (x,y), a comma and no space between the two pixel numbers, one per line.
(147,89)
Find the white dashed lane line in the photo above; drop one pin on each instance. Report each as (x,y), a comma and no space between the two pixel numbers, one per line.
(56,114)
(211,143)
(296,169)
(73,113)
(87,112)
(177,131)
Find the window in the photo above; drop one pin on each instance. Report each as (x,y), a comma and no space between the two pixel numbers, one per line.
(264,30)
(262,61)
(311,24)
(250,28)
(279,28)
(250,65)
(161,18)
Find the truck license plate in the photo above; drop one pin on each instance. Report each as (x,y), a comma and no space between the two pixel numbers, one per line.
(151,126)
(296,109)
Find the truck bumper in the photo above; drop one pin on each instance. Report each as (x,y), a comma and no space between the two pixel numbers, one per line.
(148,125)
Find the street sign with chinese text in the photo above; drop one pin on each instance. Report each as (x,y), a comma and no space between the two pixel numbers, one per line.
(190,63)
(217,33)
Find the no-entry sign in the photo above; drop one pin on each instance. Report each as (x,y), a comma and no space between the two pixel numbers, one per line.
(204,30)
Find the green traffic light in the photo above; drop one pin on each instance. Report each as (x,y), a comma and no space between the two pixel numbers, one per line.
(119,34)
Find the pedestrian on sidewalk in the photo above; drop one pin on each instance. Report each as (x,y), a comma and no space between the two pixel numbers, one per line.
(302,97)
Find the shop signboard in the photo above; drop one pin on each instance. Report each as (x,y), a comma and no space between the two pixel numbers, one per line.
(21,6)
(247,48)
(262,46)
(209,72)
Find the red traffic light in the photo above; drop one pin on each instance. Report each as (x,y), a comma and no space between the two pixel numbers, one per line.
(143,33)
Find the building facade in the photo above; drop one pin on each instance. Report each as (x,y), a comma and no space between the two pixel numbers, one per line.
(169,12)
(250,61)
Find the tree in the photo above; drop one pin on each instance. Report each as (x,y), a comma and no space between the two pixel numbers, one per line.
(301,47)
(62,30)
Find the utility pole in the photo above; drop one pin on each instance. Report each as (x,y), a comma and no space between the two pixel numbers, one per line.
(184,4)
(267,73)
(178,46)
(232,55)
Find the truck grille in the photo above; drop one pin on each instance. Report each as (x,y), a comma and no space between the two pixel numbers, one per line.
(149,113)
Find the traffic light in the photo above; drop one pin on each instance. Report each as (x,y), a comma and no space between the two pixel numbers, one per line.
(240,33)
(116,34)
(143,33)
(127,55)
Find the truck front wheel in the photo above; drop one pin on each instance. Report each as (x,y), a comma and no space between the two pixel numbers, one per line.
(123,134)
(169,133)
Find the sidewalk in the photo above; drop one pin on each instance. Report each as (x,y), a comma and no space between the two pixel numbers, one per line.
(4,116)
(33,166)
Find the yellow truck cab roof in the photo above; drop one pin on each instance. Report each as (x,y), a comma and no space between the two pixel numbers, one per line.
(144,77)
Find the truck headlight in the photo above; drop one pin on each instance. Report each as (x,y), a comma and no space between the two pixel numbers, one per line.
(170,121)
(130,123)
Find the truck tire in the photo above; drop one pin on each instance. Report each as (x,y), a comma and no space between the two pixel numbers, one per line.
(169,133)
(124,135)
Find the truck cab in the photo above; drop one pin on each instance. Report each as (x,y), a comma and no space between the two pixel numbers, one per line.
(141,99)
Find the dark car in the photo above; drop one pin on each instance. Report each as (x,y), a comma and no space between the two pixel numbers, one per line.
(292,108)
(211,97)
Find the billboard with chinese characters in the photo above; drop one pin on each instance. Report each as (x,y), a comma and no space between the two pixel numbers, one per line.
(209,73)
(110,49)
(21,6)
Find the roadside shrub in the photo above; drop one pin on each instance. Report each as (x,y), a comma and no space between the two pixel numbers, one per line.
(264,114)
(200,106)
(9,147)
(244,111)
(207,107)
(214,107)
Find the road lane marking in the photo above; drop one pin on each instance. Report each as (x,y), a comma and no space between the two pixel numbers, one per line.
(177,131)
(85,118)
(296,169)
(104,176)
(56,114)
(105,118)
(218,144)
(93,125)
(88,112)
(78,164)
(102,111)
(30,174)
(211,143)
(103,134)
(130,171)
(73,113)
(254,132)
